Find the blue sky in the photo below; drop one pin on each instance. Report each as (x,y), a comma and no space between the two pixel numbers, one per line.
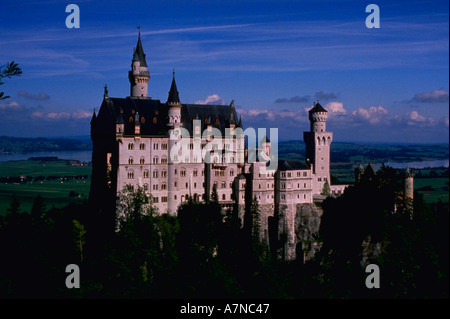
(273,58)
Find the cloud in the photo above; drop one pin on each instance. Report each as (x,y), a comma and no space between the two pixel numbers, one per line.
(57,116)
(335,108)
(325,96)
(372,115)
(413,118)
(438,96)
(295,99)
(10,106)
(40,96)
(213,99)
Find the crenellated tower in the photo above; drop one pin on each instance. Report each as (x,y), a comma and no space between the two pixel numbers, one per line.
(317,142)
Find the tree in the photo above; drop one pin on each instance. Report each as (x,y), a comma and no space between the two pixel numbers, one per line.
(78,236)
(326,189)
(7,71)
(14,206)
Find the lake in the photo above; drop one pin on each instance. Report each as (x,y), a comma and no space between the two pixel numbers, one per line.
(86,156)
(83,156)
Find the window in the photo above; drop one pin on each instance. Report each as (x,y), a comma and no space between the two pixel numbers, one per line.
(187,185)
(305,174)
(195,185)
(175,184)
(155,199)
(231,172)
(155,146)
(164,160)
(146,174)
(130,119)
(223,196)
(164,199)
(163,186)
(304,185)
(259,186)
(183,172)
(130,175)
(155,187)
(142,160)
(130,160)
(155,120)
(164,174)
(223,185)
(320,179)
(130,146)
(283,174)
(142,120)
(164,146)
(298,174)
(283,196)
(175,171)
(155,160)
(283,186)
(155,174)
(145,187)
(203,172)
(142,146)
(195,173)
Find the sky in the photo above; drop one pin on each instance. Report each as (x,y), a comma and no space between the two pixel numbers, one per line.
(274,58)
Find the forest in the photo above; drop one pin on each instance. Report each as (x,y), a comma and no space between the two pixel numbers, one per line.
(205,252)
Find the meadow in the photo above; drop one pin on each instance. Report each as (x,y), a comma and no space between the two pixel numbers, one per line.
(58,191)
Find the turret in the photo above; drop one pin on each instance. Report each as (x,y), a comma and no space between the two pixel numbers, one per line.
(174,104)
(139,75)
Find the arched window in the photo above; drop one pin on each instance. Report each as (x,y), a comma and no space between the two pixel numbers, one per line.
(146,173)
(231,172)
(217,121)
(318,141)
(142,120)
(130,160)
(142,160)
(130,146)
(130,174)
(164,174)
(142,146)
(145,187)
(223,196)
(155,173)
(130,119)
(155,120)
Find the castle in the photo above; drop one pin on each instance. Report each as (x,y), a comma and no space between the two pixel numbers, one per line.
(132,143)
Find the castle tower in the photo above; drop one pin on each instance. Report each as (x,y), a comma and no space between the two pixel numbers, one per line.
(139,75)
(173,123)
(317,142)
(409,191)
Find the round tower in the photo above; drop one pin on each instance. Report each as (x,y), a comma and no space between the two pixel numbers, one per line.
(318,118)
(409,192)
(139,76)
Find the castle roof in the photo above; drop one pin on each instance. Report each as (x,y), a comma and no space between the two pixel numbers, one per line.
(291,165)
(173,93)
(153,116)
(139,54)
(317,108)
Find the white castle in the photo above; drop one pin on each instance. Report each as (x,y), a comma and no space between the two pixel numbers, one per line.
(132,145)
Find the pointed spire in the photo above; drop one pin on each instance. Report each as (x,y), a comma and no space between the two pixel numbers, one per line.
(138,54)
(94,118)
(174,97)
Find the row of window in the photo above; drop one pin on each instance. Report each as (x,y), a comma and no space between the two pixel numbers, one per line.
(142,146)
(290,174)
(164,160)
(283,185)
(283,196)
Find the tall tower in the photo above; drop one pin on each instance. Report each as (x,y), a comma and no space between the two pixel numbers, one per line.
(317,142)
(409,192)
(173,124)
(139,75)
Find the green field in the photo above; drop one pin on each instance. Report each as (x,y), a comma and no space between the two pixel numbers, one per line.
(54,192)
(433,189)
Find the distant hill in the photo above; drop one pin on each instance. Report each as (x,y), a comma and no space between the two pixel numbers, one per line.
(365,153)
(10,144)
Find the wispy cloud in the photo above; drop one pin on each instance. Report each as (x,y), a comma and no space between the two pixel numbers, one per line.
(439,96)
(39,97)
(295,99)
